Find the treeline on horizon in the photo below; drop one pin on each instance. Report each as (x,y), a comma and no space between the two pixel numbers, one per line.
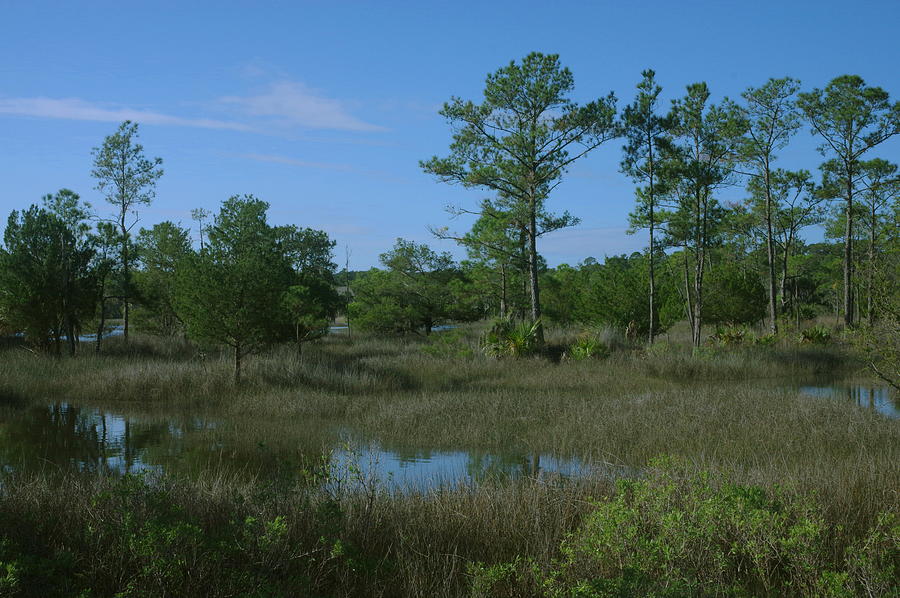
(65,270)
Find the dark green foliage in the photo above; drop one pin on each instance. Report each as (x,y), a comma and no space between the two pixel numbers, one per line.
(735,295)
(816,335)
(48,286)
(231,292)
(614,293)
(507,338)
(415,293)
(519,142)
(159,251)
(311,306)
(681,534)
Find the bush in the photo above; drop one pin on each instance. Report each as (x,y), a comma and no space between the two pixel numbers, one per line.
(505,338)
(678,533)
(588,347)
(817,335)
(454,343)
(766,340)
(730,336)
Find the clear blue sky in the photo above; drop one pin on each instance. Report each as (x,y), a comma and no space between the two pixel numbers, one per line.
(324,109)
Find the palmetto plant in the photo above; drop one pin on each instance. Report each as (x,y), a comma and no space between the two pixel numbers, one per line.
(507,338)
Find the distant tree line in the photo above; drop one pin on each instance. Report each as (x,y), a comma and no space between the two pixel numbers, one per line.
(65,270)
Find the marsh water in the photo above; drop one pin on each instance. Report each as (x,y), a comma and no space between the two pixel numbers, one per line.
(60,435)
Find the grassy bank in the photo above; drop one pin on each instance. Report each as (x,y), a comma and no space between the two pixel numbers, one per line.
(675,532)
(815,477)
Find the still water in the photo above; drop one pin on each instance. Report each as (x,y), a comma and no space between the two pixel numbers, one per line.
(63,436)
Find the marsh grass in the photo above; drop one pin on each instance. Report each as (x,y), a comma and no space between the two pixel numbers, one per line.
(218,535)
(728,410)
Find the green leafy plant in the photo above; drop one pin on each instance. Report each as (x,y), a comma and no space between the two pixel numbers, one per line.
(509,339)
(730,336)
(817,335)
(588,347)
(766,340)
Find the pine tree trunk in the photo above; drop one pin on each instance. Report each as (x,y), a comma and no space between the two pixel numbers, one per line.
(503,307)
(870,282)
(848,254)
(652,334)
(125,268)
(770,250)
(533,274)
(689,304)
(102,322)
(652,256)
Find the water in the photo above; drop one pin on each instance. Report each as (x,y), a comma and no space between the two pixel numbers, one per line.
(63,436)
(882,399)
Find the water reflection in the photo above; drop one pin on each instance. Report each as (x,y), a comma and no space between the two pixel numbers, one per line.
(420,470)
(66,436)
(882,399)
(71,437)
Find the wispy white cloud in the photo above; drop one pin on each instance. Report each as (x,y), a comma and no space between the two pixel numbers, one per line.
(300,163)
(77,109)
(294,104)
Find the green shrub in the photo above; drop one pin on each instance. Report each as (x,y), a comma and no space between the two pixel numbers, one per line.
(506,338)
(817,335)
(588,347)
(730,335)
(766,340)
(452,343)
(679,533)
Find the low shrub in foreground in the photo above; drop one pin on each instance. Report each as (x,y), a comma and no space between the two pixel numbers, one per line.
(681,534)
(674,532)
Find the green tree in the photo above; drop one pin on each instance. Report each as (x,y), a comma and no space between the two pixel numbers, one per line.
(771,118)
(648,134)
(877,187)
(47,286)
(496,241)
(700,162)
(519,141)
(851,118)
(310,251)
(200,215)
(311,307)
(734,294)
(106,242)
(415,292)
(231,291)
(127,180)
(881,200)
(159,251)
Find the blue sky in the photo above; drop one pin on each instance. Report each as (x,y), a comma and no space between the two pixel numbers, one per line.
(324,109)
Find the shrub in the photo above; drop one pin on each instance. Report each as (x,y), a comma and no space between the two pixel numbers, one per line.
(679,533)
(817,335)
(506,338)
(766,340)
(730,335)
(588,347)
(452,343)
